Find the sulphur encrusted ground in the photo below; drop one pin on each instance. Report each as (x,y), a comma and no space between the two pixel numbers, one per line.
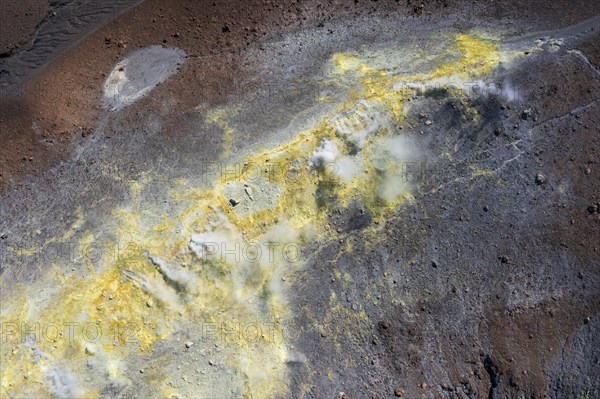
(392,217)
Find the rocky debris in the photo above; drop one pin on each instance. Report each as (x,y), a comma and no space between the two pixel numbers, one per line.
(4,236)
(399,392)
(149,303)
(119,43)
(447,387)
(504,259)
(540,179)
(233,202)
(434,264)
(189,344)
(398,324)
(594,208)
(527,114)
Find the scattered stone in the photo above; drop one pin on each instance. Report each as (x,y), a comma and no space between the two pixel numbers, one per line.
(176,34)
(540,179)
(149,303)
(90,350)
(423,385)
(504,259)
(447,387)
(189,344)
(587,320)
(594,208)
(141,371)
(428,122)
(587,171)
(526,114)
(399,392)
(225,29)
(486,208)
(233,202)
(4,236)
(434,264)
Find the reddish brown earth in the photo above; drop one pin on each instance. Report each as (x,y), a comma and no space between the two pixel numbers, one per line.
(54,110)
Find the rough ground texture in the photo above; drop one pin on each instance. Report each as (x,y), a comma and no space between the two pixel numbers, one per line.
(19,20)
(495,295)
(486,284)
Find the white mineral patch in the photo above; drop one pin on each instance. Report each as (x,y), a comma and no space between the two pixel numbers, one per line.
(139,73)
(360,122)
(252,197)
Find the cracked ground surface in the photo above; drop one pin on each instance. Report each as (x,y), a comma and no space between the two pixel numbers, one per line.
(451,250)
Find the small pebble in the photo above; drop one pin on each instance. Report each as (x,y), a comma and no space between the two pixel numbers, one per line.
(540,179)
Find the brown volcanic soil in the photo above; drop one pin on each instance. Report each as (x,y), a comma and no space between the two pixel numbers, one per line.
(42,118)
(18,20)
